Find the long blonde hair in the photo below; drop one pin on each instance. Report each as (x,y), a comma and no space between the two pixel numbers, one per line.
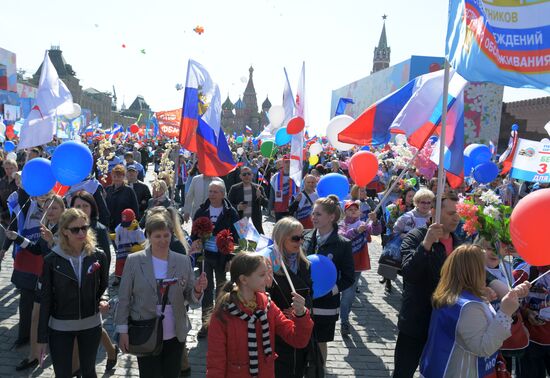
(464,269)
(281,231)
(69,216)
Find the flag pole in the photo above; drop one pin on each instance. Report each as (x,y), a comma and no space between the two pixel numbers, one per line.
(441,171)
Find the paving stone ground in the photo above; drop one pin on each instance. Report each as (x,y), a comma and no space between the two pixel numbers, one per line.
(367,353)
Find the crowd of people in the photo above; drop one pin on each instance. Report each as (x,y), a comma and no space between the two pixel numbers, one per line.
(468,308)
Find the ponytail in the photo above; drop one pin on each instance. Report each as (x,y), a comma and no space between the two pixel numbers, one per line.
(331,205)
(227,295)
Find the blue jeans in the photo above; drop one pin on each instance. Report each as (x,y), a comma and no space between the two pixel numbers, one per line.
(347,298)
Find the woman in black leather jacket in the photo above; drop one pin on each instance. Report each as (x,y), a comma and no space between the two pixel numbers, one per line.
(74,278)
(287,235)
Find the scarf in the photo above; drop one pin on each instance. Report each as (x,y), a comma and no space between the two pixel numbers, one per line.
(260,315)
(292,262)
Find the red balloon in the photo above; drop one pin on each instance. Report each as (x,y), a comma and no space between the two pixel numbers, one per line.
(295,125)
(363,167)
(529,228)
(134,128)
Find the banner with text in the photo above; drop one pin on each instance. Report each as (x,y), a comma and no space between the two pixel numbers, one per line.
(169,122)
(502,41)
(532,161)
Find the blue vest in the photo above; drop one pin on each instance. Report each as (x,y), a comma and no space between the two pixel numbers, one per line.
(442,338)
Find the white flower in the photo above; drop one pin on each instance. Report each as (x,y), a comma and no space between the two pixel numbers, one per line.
(490,198)
(492,212)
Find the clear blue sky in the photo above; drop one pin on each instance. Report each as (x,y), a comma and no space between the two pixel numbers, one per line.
(335,38)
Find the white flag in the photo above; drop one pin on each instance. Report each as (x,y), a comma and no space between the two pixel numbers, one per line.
(297,143)
(52,99)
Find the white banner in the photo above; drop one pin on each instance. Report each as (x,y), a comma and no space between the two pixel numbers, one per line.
(531,161)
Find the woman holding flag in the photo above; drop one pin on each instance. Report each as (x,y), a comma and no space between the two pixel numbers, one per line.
(287,236)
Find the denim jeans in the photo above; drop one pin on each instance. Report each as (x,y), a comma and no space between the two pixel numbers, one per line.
(347,298)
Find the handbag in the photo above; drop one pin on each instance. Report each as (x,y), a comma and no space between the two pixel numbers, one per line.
(145,336)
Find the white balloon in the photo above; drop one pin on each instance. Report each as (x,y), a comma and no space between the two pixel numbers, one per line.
(315,149)
(400,139)
(12,156)
(276,116)
(240,150)
(335,126)
(77,110)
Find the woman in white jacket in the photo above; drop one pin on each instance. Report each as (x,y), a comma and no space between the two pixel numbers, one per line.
(465,331)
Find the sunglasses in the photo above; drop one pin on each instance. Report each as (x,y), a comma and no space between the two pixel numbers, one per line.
(246,174)
(296,238)
(76,230)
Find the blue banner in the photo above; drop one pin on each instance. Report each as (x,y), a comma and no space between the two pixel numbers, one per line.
(505,42)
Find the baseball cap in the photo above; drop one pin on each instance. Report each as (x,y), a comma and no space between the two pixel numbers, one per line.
(349,204)
(131,167)
(127,217)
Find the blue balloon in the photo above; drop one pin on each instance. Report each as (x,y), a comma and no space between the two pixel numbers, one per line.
(467,166)
(333,183)
(515,127)
(478,153)
(71,162)
(365,148)
(9,146)
(485,173)
(282,137)
(323,275)
(37,177)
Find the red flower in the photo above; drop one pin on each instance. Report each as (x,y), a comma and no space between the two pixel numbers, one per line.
(202,228)
(224,242)
(94,267)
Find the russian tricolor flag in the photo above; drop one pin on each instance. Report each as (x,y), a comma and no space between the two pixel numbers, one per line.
(202,133)
(414,110)
(248,129)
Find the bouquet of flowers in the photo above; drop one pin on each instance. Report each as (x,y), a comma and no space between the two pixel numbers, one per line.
(487,217)
(224,242)
(202,229)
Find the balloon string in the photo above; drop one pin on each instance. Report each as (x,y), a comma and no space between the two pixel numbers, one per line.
(17,215)
(539,277)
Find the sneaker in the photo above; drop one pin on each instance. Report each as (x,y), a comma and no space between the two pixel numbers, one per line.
(203,332)
(344,330)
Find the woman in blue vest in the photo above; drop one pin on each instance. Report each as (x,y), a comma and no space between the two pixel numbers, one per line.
(465,331)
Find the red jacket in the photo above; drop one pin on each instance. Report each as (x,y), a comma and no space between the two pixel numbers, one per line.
(227,354)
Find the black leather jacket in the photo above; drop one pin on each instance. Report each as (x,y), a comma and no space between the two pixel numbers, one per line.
(60,294)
